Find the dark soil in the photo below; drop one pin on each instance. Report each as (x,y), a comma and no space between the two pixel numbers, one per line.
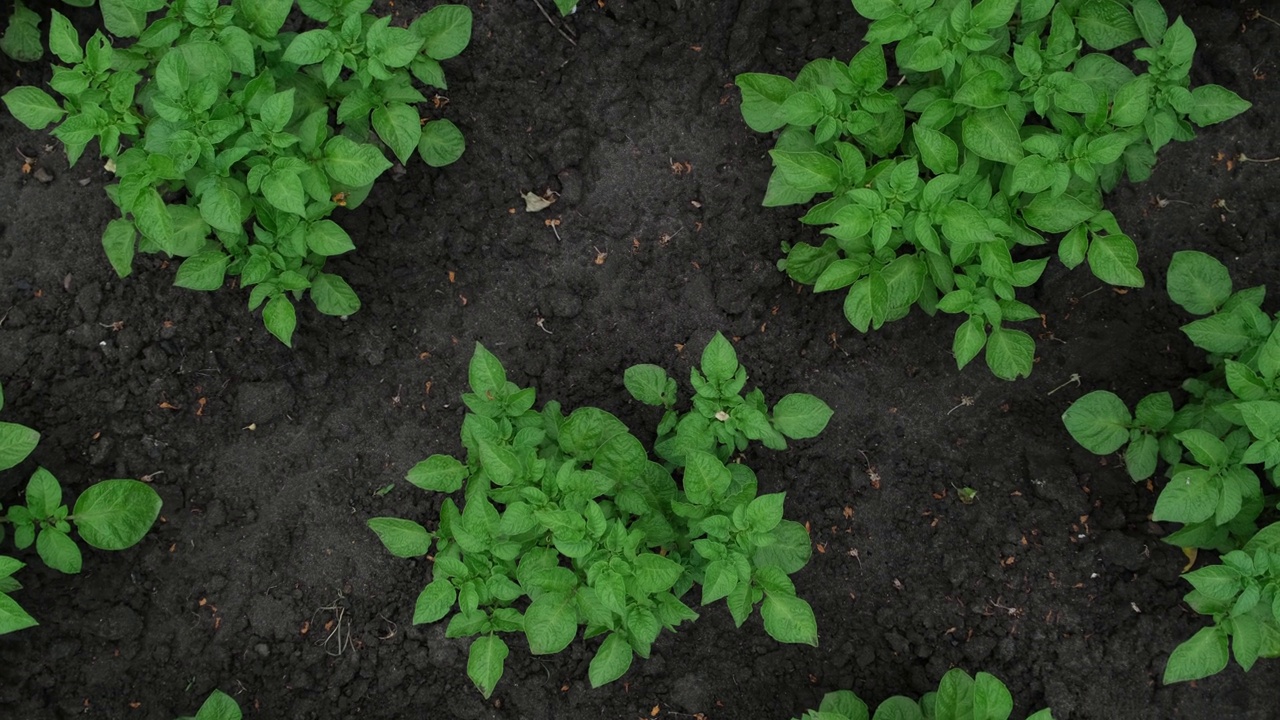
(261,578)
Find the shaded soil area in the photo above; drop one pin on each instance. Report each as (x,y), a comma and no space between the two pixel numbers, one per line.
(261,578)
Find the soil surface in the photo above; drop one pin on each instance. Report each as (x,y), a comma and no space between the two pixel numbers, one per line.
(261,577)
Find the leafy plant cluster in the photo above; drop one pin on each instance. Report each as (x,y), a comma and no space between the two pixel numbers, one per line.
(1217,446)
(109,515)
(958,697)
(122,18)
(566,521)
(1002,134)
(233,142)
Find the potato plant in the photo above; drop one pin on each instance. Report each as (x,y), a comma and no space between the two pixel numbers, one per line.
(233,142)
(109,515)
(1218,448)
(998,131)
(567,524)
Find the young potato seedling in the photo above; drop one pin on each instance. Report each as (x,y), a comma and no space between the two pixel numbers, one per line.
(109,515)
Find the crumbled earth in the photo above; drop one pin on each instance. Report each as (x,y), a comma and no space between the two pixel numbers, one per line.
(261,578)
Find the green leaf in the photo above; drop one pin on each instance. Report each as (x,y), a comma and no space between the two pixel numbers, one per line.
(1221,333)
(992,134)
(21,41)
(789,620)
(403,538)
(58,551)
(33,107)
(124,18)
(806,171)
(484,663)
(1211,104)
(485,373)
(991,699)
(12,616)
(611,661)
(921,53)
(1057,214)
(399,126)
(44,494)
(220,205)
(116,514)
(647,384)
(1132,100)
(800,416)
(898,708)
(263,17)
(987,89)
(762,100)
(280,319)
(445,30)
(351,163)
(1204,654)
(1191,496)
(219,706)
(63,39)
(1106,24)
(438,473)
(1207,450)
(1198,282)
(1219,582)
(310,47)
(16,443)
(938,152)
(1155,410)
(1010,353)
(969,340)
(551,623)
(326,237)
(203,271)
(719,579)
(1099,421)
(441,143)
(765,512)
(1151,20)
(719,361)
(789,551)
(333,296)
(705,478)
(283,189)
(654,573)
(954,698)
(434,602)
(1113,259)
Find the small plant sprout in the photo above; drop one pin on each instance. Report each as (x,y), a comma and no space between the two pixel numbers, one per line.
(966,495)
(965,401)
(1073,380)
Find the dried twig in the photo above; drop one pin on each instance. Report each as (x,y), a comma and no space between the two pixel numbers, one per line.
(558,26)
